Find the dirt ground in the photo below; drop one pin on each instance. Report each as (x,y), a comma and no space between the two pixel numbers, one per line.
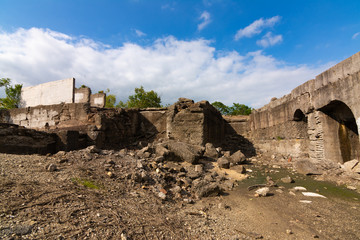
(82,199)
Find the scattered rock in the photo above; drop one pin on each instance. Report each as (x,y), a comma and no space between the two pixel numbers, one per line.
(210,151)
(223,162)
(262,192)
(93,149)
(52,167)
(289,232)
(350,165)
(287,179)
(180,151)
(162,195)
(110,174)
(206,189)
(193,174)
(311,194)
(237,158)
(22,229)
(124,236)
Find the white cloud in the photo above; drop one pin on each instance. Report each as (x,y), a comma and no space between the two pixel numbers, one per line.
(171,67)
(205,17)
(140,33)
(355,35)
(256,27)
(269,40)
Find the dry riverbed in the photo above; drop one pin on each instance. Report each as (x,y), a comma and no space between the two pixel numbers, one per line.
(95,196)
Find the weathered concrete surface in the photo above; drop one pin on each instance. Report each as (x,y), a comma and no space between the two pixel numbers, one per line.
(61,91)
(47,117)
(82,95)
(319,119)
(98,100)
(153,122)
(195,123)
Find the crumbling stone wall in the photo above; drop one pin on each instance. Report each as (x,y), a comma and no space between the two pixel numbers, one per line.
(299,125)
(195,123)
(47,117)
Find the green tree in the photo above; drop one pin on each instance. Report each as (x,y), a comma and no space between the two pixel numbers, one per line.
(110,99)
(222,108)
(240,109)
(13,94)
(235,109)
(141,99)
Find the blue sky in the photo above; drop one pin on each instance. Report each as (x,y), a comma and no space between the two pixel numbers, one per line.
(229,51)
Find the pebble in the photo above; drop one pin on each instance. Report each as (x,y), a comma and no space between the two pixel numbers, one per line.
(52,167)
(110,174)
(287,179)
(162,195)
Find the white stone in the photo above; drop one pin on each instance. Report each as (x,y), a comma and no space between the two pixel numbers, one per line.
(312,194)
(262,192)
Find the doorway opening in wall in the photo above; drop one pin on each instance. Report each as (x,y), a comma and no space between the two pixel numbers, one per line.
(344,129)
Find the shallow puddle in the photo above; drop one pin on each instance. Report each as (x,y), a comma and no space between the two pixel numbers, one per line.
(328,189)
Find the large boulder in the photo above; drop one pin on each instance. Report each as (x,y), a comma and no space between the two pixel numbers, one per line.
(237,158)
(210,151)
(179,151)
(223,162)
(206,189)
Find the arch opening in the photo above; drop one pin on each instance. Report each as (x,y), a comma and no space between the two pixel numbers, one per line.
(299,116)
(343,130)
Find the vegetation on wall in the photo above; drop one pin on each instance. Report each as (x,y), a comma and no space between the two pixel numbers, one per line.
(235,109)
(13,94)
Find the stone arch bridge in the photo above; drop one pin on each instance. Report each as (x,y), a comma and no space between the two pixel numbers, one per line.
(319,119)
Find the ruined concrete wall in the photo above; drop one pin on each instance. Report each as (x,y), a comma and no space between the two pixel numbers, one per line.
(50,93)
(82,95)
(237,125)
(98,100)
(195,123)
(47,117)
(277,125)
(153,122)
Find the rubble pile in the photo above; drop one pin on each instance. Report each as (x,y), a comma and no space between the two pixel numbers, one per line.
(170,169)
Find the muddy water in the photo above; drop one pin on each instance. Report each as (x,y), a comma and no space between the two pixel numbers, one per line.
(328,189)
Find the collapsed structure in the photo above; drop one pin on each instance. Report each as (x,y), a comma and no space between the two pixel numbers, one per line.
(317,121)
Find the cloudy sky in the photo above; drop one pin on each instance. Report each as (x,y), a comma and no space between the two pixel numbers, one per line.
(229,51)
